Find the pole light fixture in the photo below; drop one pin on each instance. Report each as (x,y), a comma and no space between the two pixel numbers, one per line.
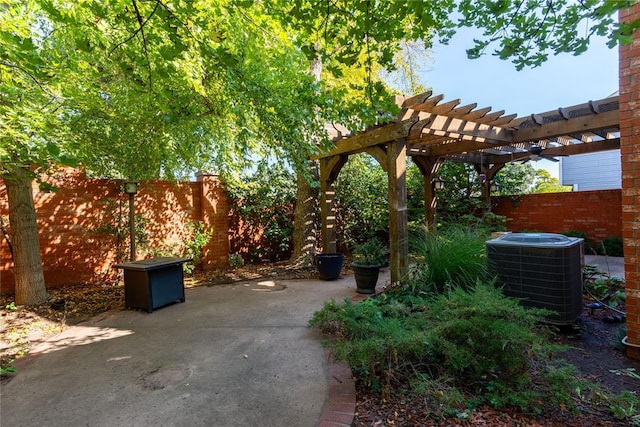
(438,184)
(130,187)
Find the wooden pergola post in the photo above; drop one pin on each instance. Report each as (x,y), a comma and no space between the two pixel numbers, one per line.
(329,169)
(398,218)
(428,167)
(489,173)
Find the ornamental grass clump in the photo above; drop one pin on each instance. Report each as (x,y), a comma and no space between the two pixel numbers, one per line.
(448,259)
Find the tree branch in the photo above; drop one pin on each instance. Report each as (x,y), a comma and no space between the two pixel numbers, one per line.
(135,33)
(144,38)
(31,76)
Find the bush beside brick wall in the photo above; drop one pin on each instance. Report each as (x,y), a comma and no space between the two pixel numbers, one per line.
(596,213)
(79,223)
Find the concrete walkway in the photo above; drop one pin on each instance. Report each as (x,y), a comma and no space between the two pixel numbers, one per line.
(613,266)
(231,355)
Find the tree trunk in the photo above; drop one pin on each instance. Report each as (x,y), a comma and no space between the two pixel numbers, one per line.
(29,278)
(305,223)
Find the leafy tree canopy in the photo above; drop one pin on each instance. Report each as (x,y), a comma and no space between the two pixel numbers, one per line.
(515,178)
(154,88)
(524,32)
(149,89)
(545,183)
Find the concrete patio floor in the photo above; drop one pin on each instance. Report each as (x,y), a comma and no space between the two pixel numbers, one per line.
(231,355)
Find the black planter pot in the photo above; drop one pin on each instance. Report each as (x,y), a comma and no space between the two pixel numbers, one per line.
(329,265)
(366,278)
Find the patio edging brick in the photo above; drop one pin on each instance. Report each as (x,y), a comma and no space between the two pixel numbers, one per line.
(340,407)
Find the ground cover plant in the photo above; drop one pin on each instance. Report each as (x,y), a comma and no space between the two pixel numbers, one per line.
(452,346)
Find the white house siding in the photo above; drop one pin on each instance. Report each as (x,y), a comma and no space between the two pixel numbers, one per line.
(593,171)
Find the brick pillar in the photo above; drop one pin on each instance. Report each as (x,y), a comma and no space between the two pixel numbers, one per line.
(629,74)
(215,216)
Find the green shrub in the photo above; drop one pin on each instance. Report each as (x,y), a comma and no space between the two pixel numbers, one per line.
(486,223)
(371,252)
(450,258)
(361,202)
(263,206)
(611,246)
(194,246)
(589,245)
(479,337)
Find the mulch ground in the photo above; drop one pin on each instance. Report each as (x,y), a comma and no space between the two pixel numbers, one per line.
(594,350)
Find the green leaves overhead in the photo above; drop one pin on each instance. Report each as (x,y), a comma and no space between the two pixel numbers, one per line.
(526,32)
(149,89)
(154,88)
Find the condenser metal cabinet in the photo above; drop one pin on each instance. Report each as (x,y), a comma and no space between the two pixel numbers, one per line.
(153,283)
(543,270)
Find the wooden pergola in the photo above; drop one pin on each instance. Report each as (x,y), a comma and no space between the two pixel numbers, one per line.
(431,131)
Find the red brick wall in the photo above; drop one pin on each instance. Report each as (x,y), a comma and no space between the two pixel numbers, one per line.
(77,225)
(596,213)
(629,73)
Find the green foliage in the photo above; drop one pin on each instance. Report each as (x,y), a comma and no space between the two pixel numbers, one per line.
(263,205)
(528,32)
(449,258)
(11,306)
(524,32)
(545,183)
(625,406)
(447,347)
(476,340)
(480,332)
(611,246)
(193,246)
(602,286)
(461,192)
(485,224)
(516,178)
(236,261)
(589,245)
(415,194)
(361,202)
(7,369)
(371,252)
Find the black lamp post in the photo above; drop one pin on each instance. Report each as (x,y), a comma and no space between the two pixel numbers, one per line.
(131,188)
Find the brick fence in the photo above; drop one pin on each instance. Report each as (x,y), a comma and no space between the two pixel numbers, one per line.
(83,227)
(596,213)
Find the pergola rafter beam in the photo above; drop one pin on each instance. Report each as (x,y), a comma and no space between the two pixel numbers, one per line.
(575,125)
(455,128)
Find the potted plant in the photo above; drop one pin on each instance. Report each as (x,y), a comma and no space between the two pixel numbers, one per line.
(329,265)
(367,260)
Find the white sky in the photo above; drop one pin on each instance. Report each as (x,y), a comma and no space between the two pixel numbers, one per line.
(562,81)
